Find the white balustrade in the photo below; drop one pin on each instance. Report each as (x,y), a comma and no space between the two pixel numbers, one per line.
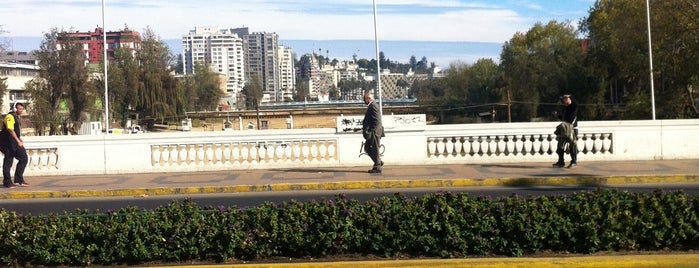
(412,145)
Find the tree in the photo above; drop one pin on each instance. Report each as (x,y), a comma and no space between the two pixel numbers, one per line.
(485,82)
(63,79)
(619,46)
(160,95)
(413,63)
(253,94)
(123,85)
(207,87)
(540,65)
(422,65)
(3,88)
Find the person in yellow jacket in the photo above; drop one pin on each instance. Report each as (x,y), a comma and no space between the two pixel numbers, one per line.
(13,147)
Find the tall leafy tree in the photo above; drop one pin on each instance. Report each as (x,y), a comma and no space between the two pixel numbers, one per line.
(63,79)
(3,88)
(160,95)
(123,84)
(207,87)
(253,94)
(484,82)
(540,65)
(619,45)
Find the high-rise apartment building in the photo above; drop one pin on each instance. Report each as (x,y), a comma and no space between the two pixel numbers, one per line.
(243,57)
(262,63)
(93,43)
(221,50)
(287,74)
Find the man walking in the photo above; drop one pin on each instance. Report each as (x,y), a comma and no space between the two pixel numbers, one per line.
(372,129)
(570,115)
(13,147)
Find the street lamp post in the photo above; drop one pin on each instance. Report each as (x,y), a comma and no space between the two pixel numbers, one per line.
(106,88)
(378,64)
(650,57)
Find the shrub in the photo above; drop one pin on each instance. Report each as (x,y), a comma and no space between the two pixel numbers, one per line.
(442,224)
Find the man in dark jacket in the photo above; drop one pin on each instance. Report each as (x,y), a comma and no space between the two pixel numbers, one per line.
(372,129)
(13,147)
(570,115)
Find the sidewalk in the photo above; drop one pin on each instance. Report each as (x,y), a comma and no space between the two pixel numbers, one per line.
(393,176)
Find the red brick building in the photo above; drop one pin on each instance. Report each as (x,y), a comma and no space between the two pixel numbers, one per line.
(92,42)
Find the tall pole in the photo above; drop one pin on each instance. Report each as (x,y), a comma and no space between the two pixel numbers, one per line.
(378,63)
(650,57)
(106,88)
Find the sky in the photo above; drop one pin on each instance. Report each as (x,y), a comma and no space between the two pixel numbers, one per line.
(436,21)
(404,20)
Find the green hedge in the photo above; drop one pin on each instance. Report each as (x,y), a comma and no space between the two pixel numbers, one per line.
(435,225)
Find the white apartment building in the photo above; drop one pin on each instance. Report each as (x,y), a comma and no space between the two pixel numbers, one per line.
(16,75)
(220,49)
(287,73)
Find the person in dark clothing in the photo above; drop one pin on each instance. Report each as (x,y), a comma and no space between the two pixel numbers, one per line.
(372,129)
(570,115)
(13,147)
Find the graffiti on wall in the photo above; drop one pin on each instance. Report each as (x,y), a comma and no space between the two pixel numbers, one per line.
(352,124)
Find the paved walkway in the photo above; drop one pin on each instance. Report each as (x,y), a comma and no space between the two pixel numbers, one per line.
(590,173)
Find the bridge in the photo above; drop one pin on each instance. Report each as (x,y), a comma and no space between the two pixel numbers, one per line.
(409,141)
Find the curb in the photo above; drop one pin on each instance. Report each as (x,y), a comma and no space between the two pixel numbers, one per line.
(356,185)
(651,260)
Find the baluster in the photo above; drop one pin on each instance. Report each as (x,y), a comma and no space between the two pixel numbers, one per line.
(607,142)
(491,145)
(500,145)
(462,143)
(164,154)
(323,150)
(245,152)
(545,144)
(332,149)
(261,148)
(182,154)
(286,151)
(226,154)
(589,143)
(52,156)
(597,143)
(449,146)
(155,155)
(509,145)
(296,151)
(305,154)
(34,158)
(237,150)
(473,146)
(314,150)
(536,145)
(431,147)
(201,154)
(552,143)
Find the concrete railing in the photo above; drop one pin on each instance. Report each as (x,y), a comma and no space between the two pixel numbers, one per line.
(409,142)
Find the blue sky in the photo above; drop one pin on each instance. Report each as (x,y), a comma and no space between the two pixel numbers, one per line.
(413,20)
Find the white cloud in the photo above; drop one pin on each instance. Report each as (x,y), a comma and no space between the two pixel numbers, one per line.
(425,20)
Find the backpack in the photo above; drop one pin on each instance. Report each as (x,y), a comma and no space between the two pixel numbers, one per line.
(564,130)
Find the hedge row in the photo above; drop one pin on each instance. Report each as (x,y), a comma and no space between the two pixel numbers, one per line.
(435,225)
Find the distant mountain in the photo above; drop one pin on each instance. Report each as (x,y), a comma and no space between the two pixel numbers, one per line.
(441,53)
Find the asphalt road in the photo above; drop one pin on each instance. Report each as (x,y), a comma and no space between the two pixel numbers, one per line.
(248,199)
